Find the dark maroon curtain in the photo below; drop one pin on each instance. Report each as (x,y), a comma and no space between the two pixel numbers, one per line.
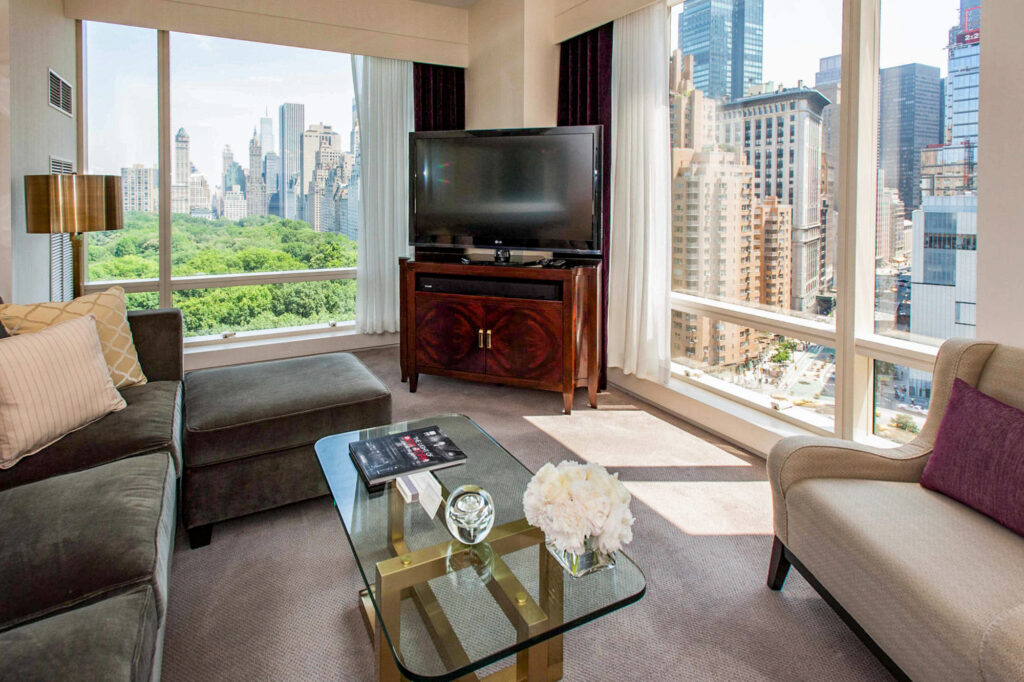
(439,96)
(585,98)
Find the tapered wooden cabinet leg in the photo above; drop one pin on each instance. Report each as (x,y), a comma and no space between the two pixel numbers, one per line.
(567,400)
(778,568)
(414,378)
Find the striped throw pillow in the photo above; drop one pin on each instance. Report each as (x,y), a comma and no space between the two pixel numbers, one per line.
(52,382)
(110,312)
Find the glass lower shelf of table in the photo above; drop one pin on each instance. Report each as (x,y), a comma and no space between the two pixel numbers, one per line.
(440,610)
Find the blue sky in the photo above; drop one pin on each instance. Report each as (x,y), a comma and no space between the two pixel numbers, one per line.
(797,33)
(220,88)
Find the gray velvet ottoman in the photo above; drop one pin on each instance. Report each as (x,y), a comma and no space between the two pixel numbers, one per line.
(250,430)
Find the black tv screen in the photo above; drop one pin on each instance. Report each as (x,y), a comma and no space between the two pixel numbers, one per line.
(537,189)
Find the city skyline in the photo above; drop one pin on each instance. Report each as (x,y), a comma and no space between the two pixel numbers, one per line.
(220,89)
(907,35)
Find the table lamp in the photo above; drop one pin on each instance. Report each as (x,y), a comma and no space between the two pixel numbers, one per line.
(73,204)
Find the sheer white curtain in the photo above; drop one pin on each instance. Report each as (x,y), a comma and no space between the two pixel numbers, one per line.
(384,104)
(640,258)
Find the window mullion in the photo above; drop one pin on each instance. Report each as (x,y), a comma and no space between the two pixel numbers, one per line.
(857,181)
(164,123)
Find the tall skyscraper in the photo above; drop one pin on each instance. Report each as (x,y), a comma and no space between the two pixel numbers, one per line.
(314,139)
(227,159)
(255,189)
(827,82)
(234,204)
(292,122)
(140,188)
(266,133)
(716,247)
(943,289)
(961,124)
(272,178)
(780,135)
(726,39)
(182,172)
(908,121)
(182,164)
(199,199)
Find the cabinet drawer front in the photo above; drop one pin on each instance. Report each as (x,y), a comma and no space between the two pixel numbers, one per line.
(526,343)
(448,334)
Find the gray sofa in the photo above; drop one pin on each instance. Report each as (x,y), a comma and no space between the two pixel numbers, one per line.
(933,587)
(87,530)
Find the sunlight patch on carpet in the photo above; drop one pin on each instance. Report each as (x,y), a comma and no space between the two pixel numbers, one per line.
(615,438)
(709,508)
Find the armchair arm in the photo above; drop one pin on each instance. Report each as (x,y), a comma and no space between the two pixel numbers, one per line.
(158,340)
(802,457)
(1001,646)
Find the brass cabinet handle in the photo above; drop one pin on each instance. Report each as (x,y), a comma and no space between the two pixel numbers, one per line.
(479,338)
(488,338)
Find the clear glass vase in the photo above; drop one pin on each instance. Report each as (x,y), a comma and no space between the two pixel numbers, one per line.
(589,561)
(469,514)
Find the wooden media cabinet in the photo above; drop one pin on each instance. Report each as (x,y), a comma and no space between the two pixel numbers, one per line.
(531,327)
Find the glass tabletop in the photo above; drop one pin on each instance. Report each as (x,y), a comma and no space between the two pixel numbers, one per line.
(447,609)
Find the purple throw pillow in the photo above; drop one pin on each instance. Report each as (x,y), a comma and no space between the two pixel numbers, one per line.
(978,458)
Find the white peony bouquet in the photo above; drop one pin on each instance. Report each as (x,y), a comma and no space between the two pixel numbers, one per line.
(573,502)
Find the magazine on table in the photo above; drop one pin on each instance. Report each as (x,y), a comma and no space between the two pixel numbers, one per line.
(385,458)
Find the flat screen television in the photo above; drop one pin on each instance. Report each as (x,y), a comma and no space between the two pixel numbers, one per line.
(531,189)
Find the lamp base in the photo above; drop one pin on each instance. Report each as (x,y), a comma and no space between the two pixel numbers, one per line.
(78,256)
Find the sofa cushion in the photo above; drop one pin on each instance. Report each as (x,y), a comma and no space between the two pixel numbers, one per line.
(80,537)
(151,422)
(111,318)
(113,639)
(245,410)
(978,456)
(51,383)
(924,575)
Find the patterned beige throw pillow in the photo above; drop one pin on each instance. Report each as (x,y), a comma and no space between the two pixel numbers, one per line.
(111,314)
(51,383)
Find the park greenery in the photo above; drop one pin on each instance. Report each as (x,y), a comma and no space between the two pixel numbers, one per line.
(784,350)
(218,247)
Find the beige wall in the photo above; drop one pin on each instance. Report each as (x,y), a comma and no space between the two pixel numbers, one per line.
(512,79)
(5,150)
(40,39)
(573,17)
(1000,150)
(400,29)
(494,79)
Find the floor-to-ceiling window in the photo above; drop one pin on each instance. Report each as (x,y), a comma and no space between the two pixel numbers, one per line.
(261,178)
(795,289)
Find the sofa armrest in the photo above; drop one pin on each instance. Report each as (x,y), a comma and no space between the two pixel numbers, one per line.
(158,340)
(798,458)
(1001,645)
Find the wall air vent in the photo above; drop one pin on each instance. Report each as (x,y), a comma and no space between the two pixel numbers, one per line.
(60,94)
(61,260)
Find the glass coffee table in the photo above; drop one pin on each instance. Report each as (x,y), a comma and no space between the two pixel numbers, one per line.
(437,609)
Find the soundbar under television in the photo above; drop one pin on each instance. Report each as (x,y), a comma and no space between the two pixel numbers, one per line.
(529,189)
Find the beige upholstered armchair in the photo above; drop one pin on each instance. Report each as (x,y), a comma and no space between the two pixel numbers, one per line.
(935,589)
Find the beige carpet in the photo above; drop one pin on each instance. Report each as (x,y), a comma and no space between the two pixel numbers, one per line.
(273,597)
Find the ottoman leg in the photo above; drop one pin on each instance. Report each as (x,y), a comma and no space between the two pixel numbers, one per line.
(200,536)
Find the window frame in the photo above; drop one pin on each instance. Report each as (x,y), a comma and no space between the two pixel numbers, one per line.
(166,283)
(856,344)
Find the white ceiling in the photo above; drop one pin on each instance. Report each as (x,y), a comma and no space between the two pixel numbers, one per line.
(462,4)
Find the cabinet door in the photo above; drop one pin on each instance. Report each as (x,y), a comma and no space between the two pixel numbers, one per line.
(448,334)
(526,342)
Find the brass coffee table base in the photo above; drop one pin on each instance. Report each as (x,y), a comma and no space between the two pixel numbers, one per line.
(405,576)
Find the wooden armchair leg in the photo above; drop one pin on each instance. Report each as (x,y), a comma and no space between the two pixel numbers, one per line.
(778,568)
